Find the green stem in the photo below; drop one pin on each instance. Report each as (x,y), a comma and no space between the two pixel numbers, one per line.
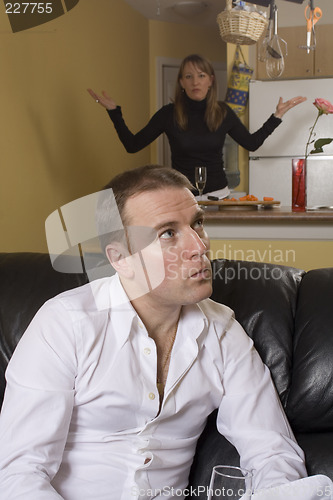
(310,136)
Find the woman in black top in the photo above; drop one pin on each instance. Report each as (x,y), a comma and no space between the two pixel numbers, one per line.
(196,123)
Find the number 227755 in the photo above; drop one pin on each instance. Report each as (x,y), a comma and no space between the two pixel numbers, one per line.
(28,8)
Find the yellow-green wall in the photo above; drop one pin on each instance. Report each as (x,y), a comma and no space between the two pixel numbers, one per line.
(56,143)
(295,253)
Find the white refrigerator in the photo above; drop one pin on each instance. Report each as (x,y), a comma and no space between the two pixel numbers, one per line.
(270,171)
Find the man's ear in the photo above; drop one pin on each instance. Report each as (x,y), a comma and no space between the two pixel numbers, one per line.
(118,258)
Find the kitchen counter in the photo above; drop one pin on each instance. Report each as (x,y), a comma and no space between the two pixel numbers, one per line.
(276,222)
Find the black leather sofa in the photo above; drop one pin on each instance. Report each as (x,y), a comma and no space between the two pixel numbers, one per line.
(286,311)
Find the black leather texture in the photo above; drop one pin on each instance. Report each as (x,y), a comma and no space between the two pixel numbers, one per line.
(287,312)
(310,401)
(27,280)
(263,297)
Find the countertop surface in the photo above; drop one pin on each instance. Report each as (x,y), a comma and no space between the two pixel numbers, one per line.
(271,214)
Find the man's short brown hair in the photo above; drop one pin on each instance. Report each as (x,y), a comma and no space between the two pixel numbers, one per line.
(145,178)
(129,183)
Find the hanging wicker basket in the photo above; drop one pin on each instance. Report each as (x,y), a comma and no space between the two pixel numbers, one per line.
(240,26)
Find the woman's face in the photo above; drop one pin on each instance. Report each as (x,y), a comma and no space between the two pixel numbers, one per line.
(195,82)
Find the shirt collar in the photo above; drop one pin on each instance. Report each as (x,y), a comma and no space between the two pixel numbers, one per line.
(110,295)
(195,319)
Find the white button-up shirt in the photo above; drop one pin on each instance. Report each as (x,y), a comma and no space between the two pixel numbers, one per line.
(81,415)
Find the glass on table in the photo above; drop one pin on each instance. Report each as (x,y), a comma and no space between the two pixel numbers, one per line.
(230,482)
(200,179)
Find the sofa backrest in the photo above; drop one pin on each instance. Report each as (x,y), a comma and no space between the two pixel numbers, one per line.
(27,280)
(263,297)
(310,401)
(289,315)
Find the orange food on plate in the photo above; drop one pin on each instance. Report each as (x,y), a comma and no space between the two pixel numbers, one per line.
(248,197)
(268,198)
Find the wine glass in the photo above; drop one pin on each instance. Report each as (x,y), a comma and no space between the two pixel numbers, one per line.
(229,482)
(200,179)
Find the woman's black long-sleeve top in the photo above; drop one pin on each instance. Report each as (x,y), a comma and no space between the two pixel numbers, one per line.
(197,145)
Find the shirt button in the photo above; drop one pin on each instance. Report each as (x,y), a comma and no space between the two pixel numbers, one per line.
(151,395)
(147,350)
(141,325)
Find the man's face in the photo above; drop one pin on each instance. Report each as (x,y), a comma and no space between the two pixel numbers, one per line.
(181,240)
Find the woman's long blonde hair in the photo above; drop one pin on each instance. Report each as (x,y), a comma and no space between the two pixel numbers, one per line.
(215,111)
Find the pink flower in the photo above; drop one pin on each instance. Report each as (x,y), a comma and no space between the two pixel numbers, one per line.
(324,106)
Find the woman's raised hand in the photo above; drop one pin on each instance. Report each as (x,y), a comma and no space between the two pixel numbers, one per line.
(283,107)
(104,100)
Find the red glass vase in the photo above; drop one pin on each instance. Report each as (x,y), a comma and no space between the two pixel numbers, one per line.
(298,203)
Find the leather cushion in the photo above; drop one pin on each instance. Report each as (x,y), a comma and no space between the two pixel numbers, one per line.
(27,280)
(263,297)
(310,401)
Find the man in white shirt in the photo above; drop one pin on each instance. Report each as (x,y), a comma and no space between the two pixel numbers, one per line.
(109,388)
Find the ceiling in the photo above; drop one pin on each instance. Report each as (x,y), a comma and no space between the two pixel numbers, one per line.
(164,10)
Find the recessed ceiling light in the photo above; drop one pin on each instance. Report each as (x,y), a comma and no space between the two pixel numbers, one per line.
(189,8)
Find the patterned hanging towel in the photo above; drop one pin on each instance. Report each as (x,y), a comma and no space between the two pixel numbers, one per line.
(238,87)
